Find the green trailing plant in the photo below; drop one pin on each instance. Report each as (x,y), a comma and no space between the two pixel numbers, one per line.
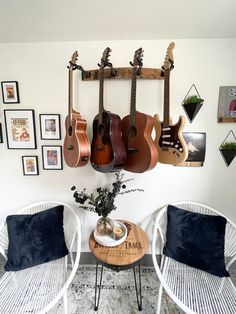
(193,99)
(229,146)
(102,202)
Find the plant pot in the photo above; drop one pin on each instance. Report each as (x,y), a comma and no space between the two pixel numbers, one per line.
(228,155)
(192,109)
(104,226)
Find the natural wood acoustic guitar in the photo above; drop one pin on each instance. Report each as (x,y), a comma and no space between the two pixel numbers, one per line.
(169,139)
(76,147)
(107,150)
(142,153)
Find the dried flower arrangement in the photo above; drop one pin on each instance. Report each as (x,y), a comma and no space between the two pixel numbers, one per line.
(102,202)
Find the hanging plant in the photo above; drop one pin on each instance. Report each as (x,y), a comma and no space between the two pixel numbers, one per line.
(193,99)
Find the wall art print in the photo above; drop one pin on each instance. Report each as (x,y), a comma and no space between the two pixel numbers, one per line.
(52,157)
(30,165)
(10,92)
(50,128)
(196,144)
(20,129)
(227,104)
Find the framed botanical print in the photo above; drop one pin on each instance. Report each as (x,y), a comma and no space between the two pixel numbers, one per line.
(52,157)
(20,129)
(10,92)
(30,165)
(50,128)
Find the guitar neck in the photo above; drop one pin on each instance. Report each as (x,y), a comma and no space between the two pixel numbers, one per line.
(166,113)
(70,95)
(133,97)
(101,93)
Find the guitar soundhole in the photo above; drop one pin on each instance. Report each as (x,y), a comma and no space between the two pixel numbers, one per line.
(70,130)
(132,131)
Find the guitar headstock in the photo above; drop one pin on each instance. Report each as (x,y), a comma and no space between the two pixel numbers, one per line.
(138,61)
(72,64)
(169,59)
(105,58)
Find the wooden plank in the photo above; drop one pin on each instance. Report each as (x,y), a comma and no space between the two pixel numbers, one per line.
(123,73)
(127,253)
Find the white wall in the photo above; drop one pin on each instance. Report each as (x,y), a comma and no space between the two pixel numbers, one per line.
(40,69)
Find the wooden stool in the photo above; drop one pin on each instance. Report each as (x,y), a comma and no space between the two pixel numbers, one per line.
(124,256)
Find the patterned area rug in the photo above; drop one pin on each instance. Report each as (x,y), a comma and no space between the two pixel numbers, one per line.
(118,294)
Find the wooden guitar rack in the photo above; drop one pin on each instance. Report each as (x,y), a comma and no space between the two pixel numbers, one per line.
(123,73)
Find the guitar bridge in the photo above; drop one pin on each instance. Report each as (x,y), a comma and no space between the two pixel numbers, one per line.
(132,150)
(99,148)
(84,158)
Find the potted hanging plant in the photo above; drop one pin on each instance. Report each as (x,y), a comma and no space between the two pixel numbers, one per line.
(228,150)
(102,201)
(192,105)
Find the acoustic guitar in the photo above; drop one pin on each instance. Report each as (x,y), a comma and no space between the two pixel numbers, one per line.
(142,153)
(171,145)
(76,147)
(107,150)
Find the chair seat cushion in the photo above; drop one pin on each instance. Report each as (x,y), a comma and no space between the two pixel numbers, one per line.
(196,240)
(35,239)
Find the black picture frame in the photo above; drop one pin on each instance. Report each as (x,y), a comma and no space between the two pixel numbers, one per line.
(52,157)
(20,128)
(1,136)
(30,165)
(10,92)
(50,126)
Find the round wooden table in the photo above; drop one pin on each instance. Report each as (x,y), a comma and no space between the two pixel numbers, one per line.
(124,256)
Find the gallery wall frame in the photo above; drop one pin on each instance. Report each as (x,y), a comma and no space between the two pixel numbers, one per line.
(30,165)
(227,104)
(50,126)
(10,92)
(20,128)
(52,157)
(1,136)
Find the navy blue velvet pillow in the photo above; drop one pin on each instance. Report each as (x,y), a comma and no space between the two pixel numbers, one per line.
(197,240)
(35,239)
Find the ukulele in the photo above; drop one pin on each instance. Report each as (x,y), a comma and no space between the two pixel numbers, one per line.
(142,153)
(169,139)
(76,143)
(107,150)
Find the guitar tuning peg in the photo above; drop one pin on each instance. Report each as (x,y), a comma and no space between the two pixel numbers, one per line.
(131,63)
(99,64)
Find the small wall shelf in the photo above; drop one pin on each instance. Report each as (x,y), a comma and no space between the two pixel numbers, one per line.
(123,73)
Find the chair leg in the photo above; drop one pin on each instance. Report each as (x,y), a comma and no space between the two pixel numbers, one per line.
(159,299)
(65,303)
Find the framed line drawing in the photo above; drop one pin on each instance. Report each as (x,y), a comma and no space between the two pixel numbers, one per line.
(20,129)
(227,104)
(1,137)
(52,157)
(30,165)
(10,92)
(50,128)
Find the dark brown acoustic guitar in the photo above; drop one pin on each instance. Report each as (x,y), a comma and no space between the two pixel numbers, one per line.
(169,139)
(76,147)
(142,153)
(107,150)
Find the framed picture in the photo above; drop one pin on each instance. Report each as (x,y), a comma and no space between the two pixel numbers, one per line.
(10,92)
(196,143)
(1,137)
(20,129)
(50,128)
(52,157)
(227,104)
(30,165)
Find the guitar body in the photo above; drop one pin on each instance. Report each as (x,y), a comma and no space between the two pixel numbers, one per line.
(76,144)
(107,149)
(171,145)
(142,153)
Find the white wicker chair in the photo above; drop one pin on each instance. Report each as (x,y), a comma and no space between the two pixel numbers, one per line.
(37,289)
(193,290)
